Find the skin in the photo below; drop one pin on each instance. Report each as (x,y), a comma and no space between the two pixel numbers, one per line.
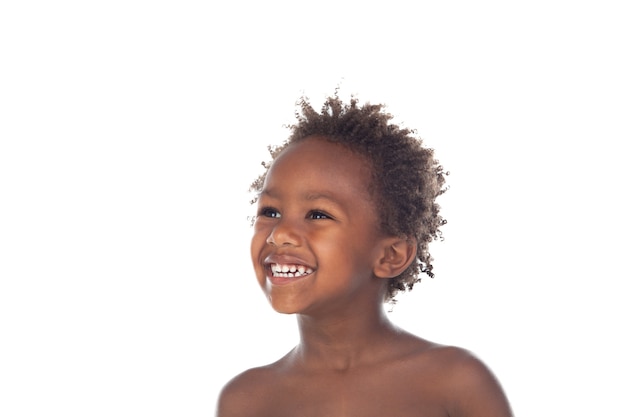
(315,211)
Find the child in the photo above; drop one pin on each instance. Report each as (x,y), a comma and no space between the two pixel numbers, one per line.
(345,214)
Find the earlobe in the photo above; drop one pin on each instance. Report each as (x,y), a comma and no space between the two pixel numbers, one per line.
(397,254)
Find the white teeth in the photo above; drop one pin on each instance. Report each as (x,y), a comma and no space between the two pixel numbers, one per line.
(289,271)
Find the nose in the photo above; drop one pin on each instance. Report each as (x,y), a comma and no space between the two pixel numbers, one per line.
(284,233)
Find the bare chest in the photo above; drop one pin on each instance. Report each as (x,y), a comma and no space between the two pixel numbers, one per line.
(356,395)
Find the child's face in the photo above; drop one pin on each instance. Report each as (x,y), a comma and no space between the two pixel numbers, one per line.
(316,235)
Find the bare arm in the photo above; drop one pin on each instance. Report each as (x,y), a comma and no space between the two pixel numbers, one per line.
(242,396)
(228,403)
(475,391)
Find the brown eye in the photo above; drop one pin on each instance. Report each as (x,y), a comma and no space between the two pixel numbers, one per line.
(318,215)
(269,212)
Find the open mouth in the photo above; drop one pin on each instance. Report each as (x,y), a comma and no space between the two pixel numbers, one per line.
(290,270)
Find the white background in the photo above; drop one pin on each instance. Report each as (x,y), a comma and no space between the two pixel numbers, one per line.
(130,131)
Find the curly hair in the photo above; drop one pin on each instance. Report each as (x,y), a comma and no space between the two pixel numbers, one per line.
(406,178)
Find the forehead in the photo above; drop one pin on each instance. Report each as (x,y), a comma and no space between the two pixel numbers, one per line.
(316,164)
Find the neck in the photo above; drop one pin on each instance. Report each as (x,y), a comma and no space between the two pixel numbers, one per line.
(343,341)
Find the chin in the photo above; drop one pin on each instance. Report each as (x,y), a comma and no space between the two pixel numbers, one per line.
(282,306)
(284,309)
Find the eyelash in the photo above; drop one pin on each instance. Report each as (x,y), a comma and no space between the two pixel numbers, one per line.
(269,212)
(312,215)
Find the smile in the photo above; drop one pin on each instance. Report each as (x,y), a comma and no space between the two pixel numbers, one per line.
(290,270)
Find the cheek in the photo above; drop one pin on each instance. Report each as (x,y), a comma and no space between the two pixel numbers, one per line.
(258,241)
(256,246)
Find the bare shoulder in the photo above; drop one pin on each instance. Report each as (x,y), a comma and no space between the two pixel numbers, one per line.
(468,386)
(245,393)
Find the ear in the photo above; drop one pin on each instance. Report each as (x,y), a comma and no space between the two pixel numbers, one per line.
(396,255)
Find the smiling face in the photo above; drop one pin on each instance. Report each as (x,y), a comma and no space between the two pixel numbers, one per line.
(316,235)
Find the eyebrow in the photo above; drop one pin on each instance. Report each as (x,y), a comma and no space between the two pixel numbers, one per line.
(319,196)
(266,192)
(310,196)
